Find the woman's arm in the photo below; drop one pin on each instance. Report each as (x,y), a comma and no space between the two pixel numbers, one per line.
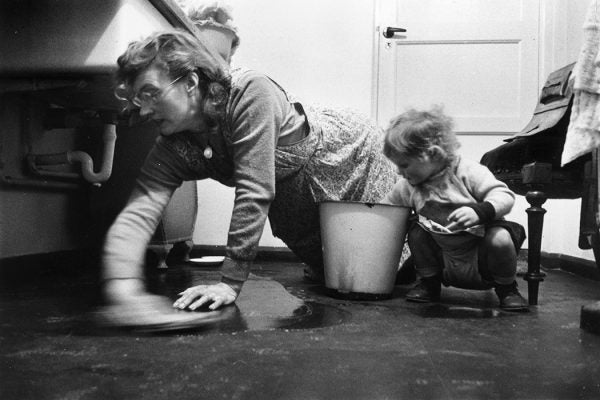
(255,114)
(496,198)
(131,232)
(256,111)
(129,235)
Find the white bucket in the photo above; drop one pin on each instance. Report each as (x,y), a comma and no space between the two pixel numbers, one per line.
(362,245)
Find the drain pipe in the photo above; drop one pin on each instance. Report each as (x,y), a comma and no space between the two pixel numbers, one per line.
(109,137)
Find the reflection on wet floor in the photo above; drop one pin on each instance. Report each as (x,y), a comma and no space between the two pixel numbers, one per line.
(457,312)
(265,305)
(234,319)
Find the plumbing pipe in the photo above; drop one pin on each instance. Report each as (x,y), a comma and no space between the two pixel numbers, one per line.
(109,138)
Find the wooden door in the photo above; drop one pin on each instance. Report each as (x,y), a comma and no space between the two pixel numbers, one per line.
(477,58)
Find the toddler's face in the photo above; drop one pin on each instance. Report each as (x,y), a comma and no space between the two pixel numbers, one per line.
(417,170)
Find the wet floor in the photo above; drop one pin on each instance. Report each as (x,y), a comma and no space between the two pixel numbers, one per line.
(288,339)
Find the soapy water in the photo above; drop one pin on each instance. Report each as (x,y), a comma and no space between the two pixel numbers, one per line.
(233,318)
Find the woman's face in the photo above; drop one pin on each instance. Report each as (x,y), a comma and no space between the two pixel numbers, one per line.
(173,104)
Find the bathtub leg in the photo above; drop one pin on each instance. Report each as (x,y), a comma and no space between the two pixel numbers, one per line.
(181,251)
(161,251)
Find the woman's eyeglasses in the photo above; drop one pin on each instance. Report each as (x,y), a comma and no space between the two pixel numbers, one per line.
(149,97)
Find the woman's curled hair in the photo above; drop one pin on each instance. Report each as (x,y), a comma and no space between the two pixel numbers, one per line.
(179,53)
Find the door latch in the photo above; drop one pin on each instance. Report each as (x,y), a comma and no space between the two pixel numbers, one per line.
(390,31)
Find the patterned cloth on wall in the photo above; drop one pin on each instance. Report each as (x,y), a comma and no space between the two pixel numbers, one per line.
(583,134)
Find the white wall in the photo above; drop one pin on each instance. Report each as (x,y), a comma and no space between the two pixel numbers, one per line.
(321,50)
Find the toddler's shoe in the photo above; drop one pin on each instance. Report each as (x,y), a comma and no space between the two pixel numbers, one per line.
(426,290)
(510,298)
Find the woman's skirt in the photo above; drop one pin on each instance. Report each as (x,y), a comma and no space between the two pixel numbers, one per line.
(340,159)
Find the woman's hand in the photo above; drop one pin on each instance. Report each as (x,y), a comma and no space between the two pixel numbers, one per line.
(462,218)
(219,294)
(128,304)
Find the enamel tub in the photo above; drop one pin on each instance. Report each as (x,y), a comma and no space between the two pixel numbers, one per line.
(362,246)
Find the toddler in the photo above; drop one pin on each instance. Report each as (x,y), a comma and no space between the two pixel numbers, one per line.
(459,236)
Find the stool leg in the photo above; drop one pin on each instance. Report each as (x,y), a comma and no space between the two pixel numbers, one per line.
(535,223)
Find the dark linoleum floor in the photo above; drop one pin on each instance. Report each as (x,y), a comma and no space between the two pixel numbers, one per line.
(288,339)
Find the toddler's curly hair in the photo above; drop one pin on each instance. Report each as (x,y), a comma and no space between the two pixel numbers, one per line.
(414,132)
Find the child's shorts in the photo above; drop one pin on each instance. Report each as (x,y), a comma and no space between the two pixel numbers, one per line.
(461,256)
(517,232)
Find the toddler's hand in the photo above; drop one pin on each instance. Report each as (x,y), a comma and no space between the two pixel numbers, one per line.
(462,218)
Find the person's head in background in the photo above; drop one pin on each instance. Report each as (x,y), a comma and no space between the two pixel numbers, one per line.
(421,143)
(214,22)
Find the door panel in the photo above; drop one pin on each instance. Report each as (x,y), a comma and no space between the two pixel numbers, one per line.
(477,58)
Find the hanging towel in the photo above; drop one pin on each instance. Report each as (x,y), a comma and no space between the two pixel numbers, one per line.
(583,134)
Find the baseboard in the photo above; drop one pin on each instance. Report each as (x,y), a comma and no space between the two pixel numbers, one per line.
(72,261)
(578,266)
(265,253)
